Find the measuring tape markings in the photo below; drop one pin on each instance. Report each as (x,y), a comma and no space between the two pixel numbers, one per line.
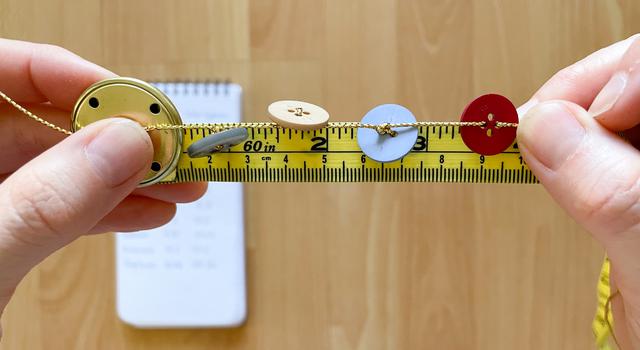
(332,154)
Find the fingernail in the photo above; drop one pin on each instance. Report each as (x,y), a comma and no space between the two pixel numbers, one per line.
(119,151)
(609,95)
(524,109)
(551,133)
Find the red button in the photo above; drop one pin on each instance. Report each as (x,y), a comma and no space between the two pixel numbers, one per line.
(489,140)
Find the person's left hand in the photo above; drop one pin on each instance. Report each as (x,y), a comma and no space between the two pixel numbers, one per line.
(54,189)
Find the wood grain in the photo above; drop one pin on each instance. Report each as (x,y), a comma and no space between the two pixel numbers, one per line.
(351,266)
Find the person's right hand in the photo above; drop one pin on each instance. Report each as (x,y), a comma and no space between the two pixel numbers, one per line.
(568,137)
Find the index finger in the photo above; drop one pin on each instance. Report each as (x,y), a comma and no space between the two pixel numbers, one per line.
(581,82)
(35,73)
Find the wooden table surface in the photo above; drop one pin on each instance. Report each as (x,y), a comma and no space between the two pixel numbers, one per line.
(346,266)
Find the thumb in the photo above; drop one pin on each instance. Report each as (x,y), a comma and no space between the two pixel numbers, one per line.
(595,176)
(591,172)
(64,192)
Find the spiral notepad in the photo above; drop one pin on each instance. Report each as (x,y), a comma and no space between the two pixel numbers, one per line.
(205,102)
(189,273)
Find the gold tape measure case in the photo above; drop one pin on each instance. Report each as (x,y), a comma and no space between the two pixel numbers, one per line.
(137,100)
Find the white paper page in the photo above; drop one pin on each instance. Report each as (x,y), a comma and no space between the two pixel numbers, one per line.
(191,272)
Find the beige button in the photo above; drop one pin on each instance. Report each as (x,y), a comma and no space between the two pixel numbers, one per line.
(298,115)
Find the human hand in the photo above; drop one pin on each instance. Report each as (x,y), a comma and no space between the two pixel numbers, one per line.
(568,137)
(84,183)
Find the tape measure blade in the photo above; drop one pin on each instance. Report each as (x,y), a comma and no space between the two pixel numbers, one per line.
(332,154)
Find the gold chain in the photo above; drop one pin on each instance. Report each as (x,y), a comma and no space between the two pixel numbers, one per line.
(33,116)
(382,129)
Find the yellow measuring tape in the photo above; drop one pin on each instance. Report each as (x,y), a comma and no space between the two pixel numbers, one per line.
(332,154)
(603,320)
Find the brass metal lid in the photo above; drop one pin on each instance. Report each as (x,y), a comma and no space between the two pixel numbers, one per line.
(140,101)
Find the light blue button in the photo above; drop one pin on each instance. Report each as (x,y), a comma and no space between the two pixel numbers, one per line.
(387,148)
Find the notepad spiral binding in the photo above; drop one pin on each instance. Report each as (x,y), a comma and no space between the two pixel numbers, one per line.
(194,87)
